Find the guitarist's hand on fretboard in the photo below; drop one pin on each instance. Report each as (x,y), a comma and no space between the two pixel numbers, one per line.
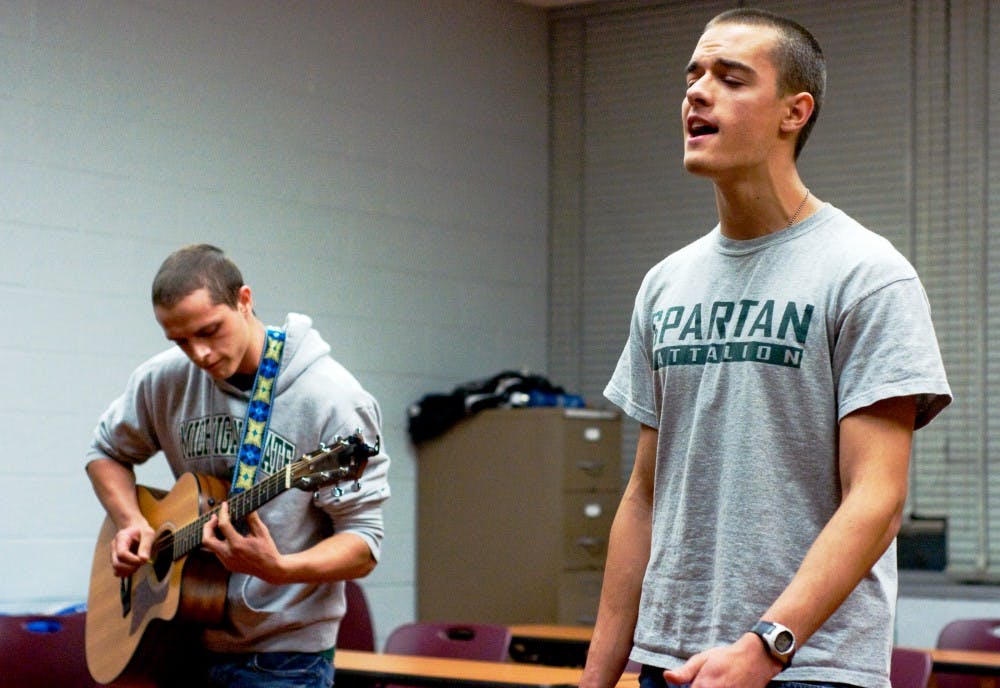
(249,550)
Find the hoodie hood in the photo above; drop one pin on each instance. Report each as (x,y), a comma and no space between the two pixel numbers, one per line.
(303,347)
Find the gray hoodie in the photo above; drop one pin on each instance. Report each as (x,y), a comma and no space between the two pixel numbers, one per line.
(171,405)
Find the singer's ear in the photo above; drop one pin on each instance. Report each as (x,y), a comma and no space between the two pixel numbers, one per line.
(798,109)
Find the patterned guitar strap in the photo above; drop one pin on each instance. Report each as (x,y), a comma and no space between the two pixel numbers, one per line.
(258,412)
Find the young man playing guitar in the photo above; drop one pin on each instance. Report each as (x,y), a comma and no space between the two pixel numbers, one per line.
(199,404)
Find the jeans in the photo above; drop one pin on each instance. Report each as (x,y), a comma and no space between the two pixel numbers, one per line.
(259,670)
(652,677)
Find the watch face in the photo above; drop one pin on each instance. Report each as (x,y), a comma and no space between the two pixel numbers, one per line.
(783,642)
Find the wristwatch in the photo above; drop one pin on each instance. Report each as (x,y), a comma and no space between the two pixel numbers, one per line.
(779,641)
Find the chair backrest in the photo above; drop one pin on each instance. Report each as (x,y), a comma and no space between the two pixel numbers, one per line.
(967,634)
(910,668)
(970,634)
(464,641)
(356,629)
(43,650)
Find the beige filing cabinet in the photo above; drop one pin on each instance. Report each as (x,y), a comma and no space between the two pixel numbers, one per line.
(513,515)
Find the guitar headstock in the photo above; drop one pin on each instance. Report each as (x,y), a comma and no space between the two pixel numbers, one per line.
(345,459)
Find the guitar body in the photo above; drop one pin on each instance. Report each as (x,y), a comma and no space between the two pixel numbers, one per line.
(128,620)
(140,626)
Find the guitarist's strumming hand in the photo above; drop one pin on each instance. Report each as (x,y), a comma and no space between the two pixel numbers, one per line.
(253,553)
(131,548)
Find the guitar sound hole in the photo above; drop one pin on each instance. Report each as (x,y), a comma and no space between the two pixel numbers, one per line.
(163,559)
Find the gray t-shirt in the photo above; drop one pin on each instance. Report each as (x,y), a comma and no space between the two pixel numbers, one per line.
(745,355)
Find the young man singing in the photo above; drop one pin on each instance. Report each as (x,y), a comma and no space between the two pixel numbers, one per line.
(778,367)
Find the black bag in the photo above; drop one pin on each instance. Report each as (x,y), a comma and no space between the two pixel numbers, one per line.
(433,414)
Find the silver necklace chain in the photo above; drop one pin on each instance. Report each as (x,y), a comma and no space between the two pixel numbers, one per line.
(798,210)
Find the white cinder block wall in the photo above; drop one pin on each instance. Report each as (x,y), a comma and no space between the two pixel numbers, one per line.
(380,165)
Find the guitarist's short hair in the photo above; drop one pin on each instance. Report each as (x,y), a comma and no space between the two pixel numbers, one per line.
(198,266)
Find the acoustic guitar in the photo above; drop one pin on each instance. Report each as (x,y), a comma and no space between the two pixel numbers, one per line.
(131,621)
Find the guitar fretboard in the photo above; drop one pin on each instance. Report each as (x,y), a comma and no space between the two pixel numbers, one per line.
(188,538)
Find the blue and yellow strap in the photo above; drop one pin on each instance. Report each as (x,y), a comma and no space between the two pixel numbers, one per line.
(258,412)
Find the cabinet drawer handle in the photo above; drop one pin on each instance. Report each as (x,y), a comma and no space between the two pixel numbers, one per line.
(593,545)
(591,468)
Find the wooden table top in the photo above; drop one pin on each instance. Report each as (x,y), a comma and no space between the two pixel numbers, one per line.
(435,671)
(559,632)
(978,662)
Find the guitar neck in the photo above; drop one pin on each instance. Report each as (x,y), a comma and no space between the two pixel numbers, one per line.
(347,458)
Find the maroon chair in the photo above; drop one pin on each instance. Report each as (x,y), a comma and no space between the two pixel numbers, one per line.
(967,634)
(459,641)
(356,630)
(43,650)
(464,641)
(910,668)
